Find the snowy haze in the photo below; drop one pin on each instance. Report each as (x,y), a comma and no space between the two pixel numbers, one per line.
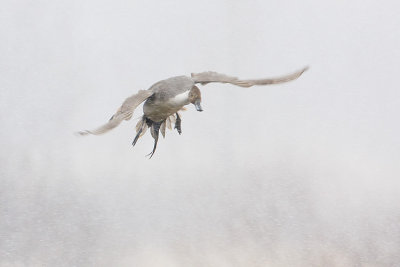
(305,173)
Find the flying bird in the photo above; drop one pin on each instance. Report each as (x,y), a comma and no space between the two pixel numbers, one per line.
(164,99)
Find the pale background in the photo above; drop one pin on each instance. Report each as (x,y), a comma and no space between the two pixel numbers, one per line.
(301,174)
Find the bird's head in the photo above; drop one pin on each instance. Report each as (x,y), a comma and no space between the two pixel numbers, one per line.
(195,97)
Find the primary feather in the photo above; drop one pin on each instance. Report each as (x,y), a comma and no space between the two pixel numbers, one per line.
(210,76)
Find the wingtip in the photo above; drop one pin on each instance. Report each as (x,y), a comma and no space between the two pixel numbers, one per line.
(82,133)
(305,69)
(300,72)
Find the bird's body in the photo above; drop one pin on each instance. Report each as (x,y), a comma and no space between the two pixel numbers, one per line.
(169,96)
(164,99)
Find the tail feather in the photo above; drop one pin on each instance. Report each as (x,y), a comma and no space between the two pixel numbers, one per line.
(162,128)
(155,129)
(141,128)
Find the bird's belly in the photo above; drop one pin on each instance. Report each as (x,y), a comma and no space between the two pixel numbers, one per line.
(159,113)
(160,110)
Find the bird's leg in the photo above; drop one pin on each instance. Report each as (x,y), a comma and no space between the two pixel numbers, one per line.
(178,123)
(139,132)
(154,132)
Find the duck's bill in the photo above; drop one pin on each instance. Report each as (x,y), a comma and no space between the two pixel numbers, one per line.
(197,105)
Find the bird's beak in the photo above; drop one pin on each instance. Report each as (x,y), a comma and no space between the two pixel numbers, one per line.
(197,105)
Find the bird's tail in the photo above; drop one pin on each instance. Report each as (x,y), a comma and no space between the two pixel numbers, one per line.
(155,128)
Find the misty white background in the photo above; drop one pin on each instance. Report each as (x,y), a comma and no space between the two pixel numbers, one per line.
(300,174)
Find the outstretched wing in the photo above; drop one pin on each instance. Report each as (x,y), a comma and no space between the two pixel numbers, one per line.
(210,76)
(125,112)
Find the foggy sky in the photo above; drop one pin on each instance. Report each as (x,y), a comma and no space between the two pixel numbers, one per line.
(299,174)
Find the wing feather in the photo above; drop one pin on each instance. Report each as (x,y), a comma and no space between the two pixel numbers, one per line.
(125,112)
(210,76)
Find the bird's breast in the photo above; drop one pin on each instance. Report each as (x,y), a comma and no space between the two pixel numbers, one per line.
(180,99)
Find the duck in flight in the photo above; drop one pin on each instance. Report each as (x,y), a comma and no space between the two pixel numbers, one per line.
(164,99)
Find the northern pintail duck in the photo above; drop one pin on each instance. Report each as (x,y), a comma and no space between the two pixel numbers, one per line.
(164,99)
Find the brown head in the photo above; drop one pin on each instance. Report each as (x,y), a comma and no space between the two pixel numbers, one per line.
(195,97)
